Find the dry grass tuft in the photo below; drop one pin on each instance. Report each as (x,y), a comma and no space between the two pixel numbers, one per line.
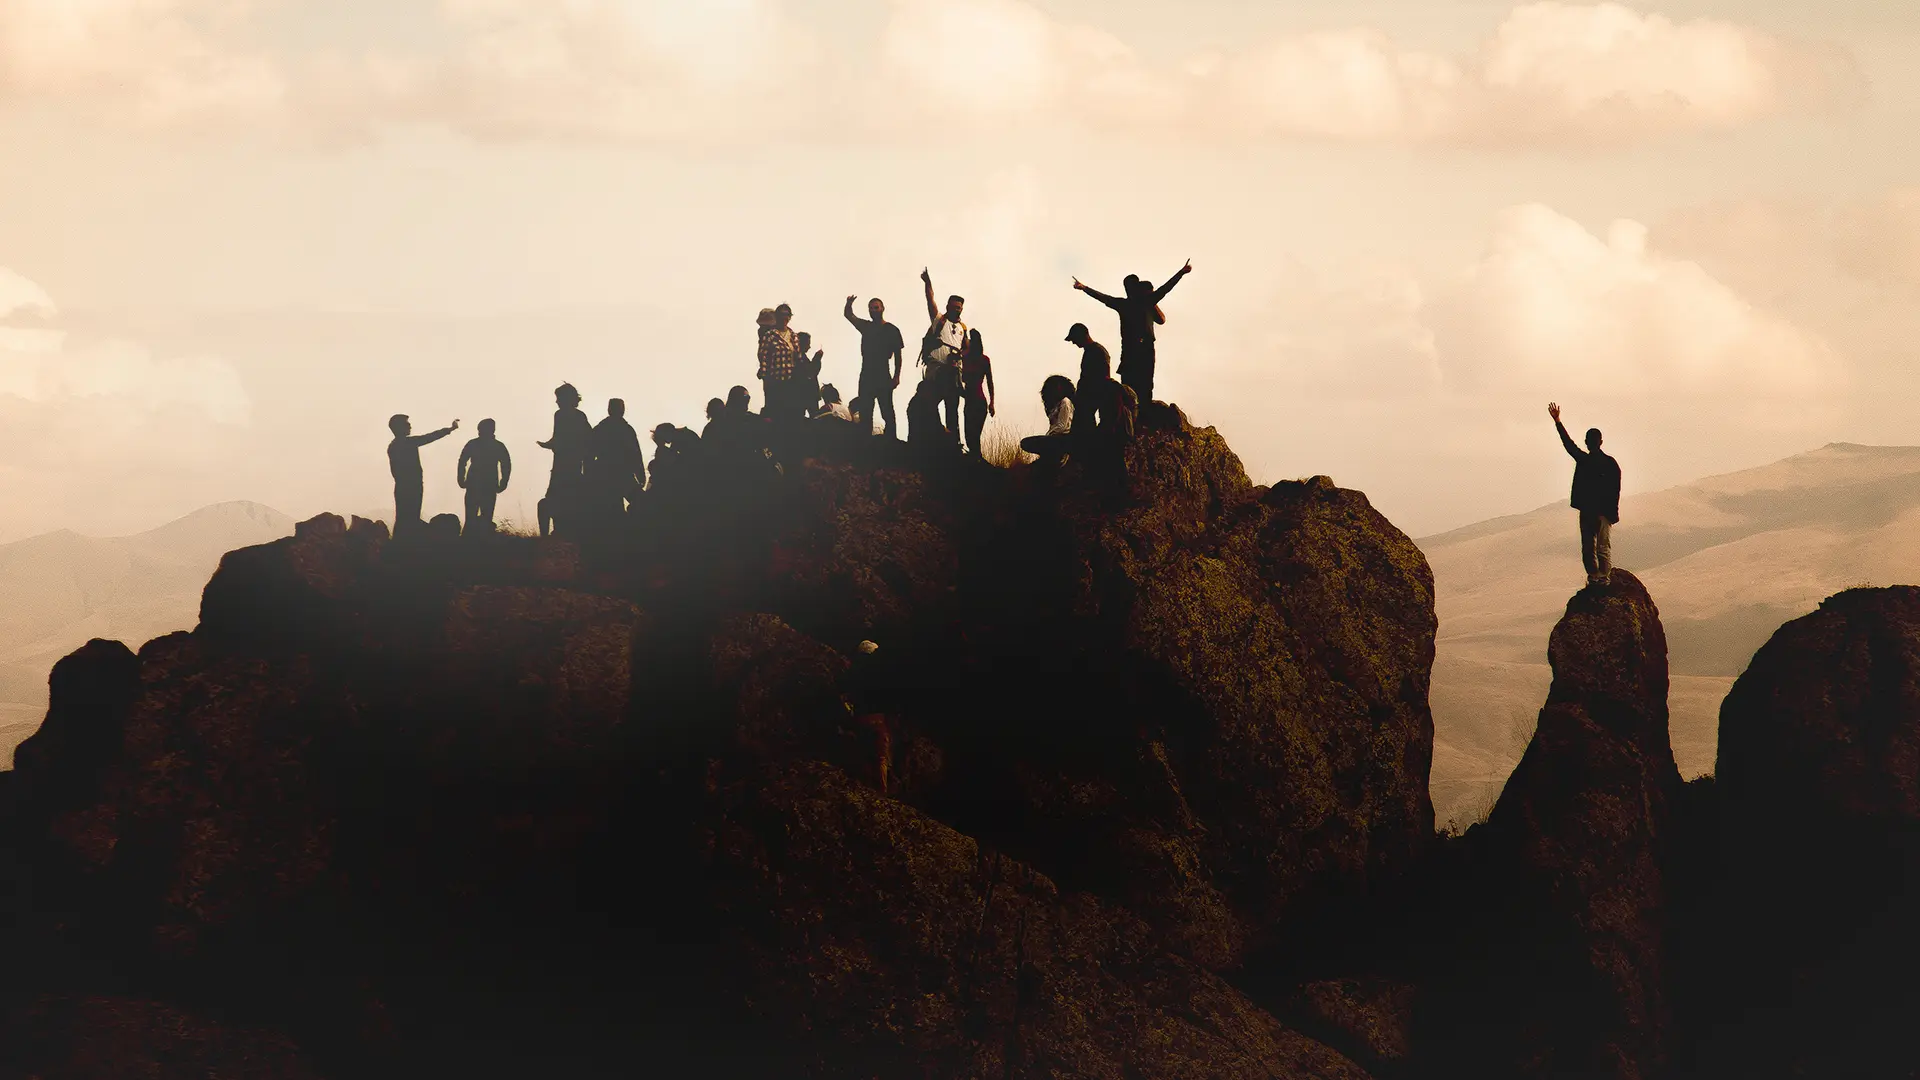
(1001,449)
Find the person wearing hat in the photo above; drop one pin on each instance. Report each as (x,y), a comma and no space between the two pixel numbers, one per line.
(1096,397)
(403,459)
(572,444)
(779,355)
(483,472)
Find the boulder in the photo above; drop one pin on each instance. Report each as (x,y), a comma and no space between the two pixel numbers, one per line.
(1577,851)
(1825,723)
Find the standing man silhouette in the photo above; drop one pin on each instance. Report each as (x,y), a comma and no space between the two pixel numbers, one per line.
(483,471)
(403,458)
(940,353)
(617,470)
(1596,494)
(1139,311)
(880,341)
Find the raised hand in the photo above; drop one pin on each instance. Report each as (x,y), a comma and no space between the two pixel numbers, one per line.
(455,426)
(1187,269)
(851,299)
(1079,285)
(926,275)
(1553,410)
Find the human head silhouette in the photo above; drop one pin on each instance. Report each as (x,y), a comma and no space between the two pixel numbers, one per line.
(830,394)
(1134,286)
(715,407)
(486,429)
(765,318)
(975,344)
(876,309)
(782,315)
(1056,389)
(1079,335)
(1593,438)
(955,305)
(663,434)
(566,396)
(616,408)
(738,398)
(399,425)
(806,340)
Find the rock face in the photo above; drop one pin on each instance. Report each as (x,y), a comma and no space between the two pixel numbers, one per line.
(1576,856)
(496,806)
(1826,721)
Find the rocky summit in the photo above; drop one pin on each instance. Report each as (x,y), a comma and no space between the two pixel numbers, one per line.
(876,765)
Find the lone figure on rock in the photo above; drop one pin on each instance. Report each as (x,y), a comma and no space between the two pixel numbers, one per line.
(1596,494)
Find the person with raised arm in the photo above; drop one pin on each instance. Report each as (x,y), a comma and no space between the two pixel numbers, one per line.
(1139,311)
(1596,494)
(880,342)
(940,353)
(403,460)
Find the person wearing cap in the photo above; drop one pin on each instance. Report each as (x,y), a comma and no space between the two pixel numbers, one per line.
(572,444)
(779,355)
(941,351)
(1139,311)
(403,459)
(483,472)
(1096,399)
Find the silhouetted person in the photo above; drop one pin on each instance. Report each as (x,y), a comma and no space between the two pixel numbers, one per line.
(1096,399)
(571,445)
(976,377)
(1056,396)
(715,406)
(779,355)
(483,472)
(1596,494)
(1139,310)
(924,429)
(403,458)
(675,449)
(617,469)
(880,342)
(806,375)
(940,352)
(831,407)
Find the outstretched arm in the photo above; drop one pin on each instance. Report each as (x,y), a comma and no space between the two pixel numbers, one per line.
(1096,294)
(851,317)
(933,309)
(1161,293)
(435,436)
(1566,440)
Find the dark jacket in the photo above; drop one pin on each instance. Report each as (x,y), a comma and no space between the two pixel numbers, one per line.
(1596,479)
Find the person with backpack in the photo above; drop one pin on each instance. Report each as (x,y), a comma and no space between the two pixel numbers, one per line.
(940,354)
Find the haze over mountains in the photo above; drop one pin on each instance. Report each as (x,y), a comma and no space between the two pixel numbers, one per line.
(63,589)
(1728,560)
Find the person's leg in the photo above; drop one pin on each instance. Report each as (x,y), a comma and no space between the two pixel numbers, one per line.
(472,518)
(1589,531)
(544,511)
(976,423)
(883,395)
(1603,547)
(953,414)
(1143,373)
(406,507)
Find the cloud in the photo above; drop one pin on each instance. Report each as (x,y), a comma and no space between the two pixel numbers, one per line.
(1549,73)
(727,70)
(1553,308)
(154,62)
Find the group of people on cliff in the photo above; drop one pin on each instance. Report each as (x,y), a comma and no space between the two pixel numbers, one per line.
(599,470)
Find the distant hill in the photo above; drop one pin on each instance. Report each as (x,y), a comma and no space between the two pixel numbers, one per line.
(62,589)
(1727,559)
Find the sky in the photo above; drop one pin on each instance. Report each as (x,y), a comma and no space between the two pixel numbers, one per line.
(237,235)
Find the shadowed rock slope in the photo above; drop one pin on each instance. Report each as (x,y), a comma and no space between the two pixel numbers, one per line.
(502,806)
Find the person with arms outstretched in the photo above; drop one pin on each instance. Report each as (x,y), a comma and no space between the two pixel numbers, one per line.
(1139,311)
(403,459)
(880,342)
(483,472)
(940,353)
(1596,494)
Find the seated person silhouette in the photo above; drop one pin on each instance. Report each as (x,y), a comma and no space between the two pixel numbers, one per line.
(483,472)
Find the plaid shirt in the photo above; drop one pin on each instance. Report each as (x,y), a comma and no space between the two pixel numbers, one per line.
(779,353)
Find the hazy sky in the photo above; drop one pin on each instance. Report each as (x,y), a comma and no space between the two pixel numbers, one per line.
(235,235)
